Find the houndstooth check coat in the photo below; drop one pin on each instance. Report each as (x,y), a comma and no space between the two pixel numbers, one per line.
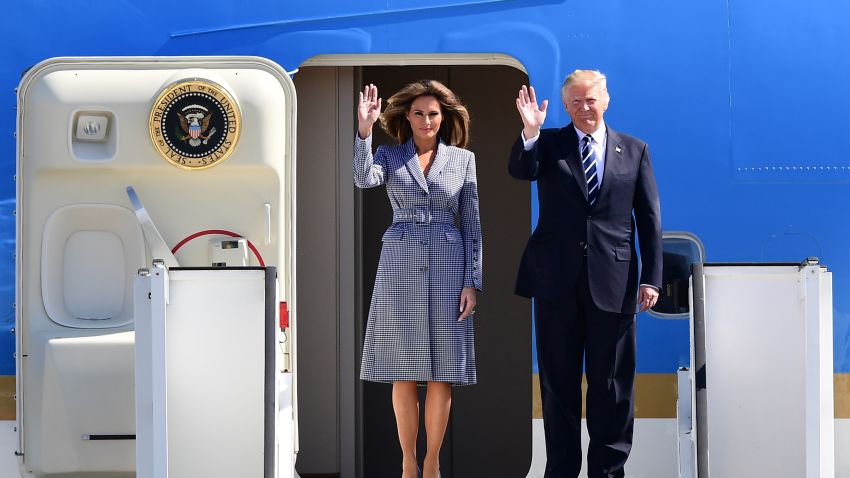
(413,333)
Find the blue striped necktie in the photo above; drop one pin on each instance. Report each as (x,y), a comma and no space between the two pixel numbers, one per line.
(588,161)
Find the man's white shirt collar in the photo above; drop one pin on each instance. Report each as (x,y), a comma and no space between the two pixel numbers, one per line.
(598,135)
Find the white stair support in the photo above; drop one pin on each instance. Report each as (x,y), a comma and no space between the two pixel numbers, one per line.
(211,398)
(151,374)
(820,424)
(684,415)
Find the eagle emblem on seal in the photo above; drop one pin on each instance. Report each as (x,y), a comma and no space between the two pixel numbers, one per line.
(195,121)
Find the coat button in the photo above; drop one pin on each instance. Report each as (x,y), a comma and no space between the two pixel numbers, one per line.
(424,269)
(424,243)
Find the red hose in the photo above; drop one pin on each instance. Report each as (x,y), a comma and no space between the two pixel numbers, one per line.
(220,232)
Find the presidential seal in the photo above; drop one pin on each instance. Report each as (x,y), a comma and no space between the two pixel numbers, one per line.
(194,124)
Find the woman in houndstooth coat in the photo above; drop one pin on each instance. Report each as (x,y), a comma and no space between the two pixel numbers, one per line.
(420,320)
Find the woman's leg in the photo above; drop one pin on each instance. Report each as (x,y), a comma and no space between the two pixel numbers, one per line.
(406,407)
(438,404)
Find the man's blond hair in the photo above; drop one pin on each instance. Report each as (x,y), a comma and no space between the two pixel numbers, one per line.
(594,77)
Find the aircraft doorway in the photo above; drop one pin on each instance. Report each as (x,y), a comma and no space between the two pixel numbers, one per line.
(347,427)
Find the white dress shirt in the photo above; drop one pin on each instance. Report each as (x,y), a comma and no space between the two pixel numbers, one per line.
(600,142)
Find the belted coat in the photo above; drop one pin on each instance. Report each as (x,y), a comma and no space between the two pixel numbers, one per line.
(426,260)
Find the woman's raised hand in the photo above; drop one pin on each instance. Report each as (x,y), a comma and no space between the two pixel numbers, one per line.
(532,115)
(368,110)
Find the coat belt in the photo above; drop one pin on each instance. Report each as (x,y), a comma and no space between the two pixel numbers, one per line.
(423,215)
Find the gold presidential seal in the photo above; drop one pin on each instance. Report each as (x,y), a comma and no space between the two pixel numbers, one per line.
(194,124)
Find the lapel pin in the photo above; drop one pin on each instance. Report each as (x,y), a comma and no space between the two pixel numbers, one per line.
(617,149)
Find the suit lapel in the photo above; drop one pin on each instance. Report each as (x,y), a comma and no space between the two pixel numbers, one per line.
(412,164)
(613,156)
(569,151)
(440,161)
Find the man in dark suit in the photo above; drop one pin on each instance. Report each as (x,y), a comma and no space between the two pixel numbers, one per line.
(595,188)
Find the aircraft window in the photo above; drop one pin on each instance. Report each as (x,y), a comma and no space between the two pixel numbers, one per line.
(680,250)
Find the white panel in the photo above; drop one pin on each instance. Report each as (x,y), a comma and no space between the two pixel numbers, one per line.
(94,273)
(842,444)
(215,349)
(755,371)
(8,444)
(88,390)
(768,356)
(286,428)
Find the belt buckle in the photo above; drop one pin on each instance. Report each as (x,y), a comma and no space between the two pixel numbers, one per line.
(421,216)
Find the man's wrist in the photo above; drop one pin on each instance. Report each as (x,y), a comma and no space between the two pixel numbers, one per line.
(529,142)
(530,134)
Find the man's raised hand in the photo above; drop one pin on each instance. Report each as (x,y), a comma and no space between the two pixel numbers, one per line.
(532,116)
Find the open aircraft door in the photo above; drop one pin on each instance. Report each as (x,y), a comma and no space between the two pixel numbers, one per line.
(154,268)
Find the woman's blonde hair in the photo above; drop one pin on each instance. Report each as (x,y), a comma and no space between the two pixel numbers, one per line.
(454,130)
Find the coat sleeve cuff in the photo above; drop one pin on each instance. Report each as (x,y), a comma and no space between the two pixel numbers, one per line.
(474,282)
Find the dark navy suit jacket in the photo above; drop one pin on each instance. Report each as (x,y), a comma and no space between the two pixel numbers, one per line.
(568,227)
